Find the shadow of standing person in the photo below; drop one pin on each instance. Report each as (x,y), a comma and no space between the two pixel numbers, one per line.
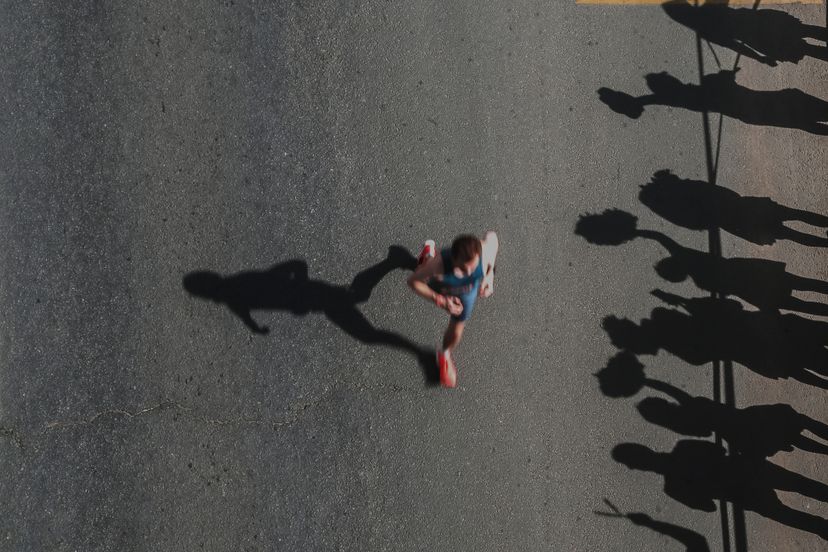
(719,93)
(699,205)
(770,345)
(759,430)
(286,286)
(763,283)
(697,473)
(768,36)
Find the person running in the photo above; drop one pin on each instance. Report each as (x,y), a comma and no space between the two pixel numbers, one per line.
(453,280)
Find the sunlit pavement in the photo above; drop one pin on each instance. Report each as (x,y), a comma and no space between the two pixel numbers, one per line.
(206,342)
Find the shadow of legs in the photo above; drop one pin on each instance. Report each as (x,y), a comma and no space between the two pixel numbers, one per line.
(354,323)
(802,238)
(793,518)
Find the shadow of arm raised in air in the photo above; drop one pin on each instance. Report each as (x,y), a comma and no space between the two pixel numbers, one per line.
(365,282)
(692,541)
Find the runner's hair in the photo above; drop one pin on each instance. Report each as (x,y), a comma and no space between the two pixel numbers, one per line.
(465,247)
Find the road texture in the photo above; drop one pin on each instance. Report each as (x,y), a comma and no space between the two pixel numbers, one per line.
(280,148)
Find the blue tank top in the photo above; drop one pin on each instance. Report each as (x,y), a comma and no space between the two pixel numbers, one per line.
(457,285)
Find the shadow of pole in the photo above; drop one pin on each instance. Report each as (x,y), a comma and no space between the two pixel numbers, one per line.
(723,380)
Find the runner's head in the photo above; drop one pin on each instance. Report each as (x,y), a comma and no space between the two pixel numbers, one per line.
(465,253)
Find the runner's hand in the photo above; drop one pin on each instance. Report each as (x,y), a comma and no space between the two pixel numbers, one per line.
(487,288)
(454,305)
(449,302)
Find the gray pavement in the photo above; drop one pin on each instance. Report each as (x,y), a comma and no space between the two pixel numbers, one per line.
(144,142)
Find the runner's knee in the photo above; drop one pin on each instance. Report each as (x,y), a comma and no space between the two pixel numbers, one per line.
(456,327)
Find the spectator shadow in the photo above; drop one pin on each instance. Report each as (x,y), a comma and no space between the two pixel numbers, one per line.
(286,287)
(698,205)
(692,541)
(720,93)
(697,473)
(768,36)
(774,346)
(763,283)
(760,430)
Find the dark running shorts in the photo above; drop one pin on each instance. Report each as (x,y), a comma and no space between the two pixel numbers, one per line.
(468,299)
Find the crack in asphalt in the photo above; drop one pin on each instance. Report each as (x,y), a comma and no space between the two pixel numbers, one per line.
(290,417)
(113,412)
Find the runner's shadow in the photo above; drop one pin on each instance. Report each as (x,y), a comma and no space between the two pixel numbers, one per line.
(698,473)
(768,36)
(286,287)
(720,93)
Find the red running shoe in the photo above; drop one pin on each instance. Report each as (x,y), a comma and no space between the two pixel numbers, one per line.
(429,251)
(448,373)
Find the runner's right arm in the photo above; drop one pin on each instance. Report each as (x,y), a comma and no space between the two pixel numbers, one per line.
(418,281)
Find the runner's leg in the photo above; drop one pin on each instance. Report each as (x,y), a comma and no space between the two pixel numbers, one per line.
(453,334)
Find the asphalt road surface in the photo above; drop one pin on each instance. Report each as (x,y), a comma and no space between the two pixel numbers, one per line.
(188,190)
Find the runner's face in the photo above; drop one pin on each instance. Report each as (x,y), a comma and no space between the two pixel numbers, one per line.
(468,268)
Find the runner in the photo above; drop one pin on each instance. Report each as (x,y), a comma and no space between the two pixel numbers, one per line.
(453,280)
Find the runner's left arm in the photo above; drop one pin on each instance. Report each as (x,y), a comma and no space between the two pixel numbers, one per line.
(490,248)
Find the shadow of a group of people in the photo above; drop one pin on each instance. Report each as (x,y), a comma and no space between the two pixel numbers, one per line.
(752,314)
(287,287)
(768,36)
(701,330)
(759,430)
